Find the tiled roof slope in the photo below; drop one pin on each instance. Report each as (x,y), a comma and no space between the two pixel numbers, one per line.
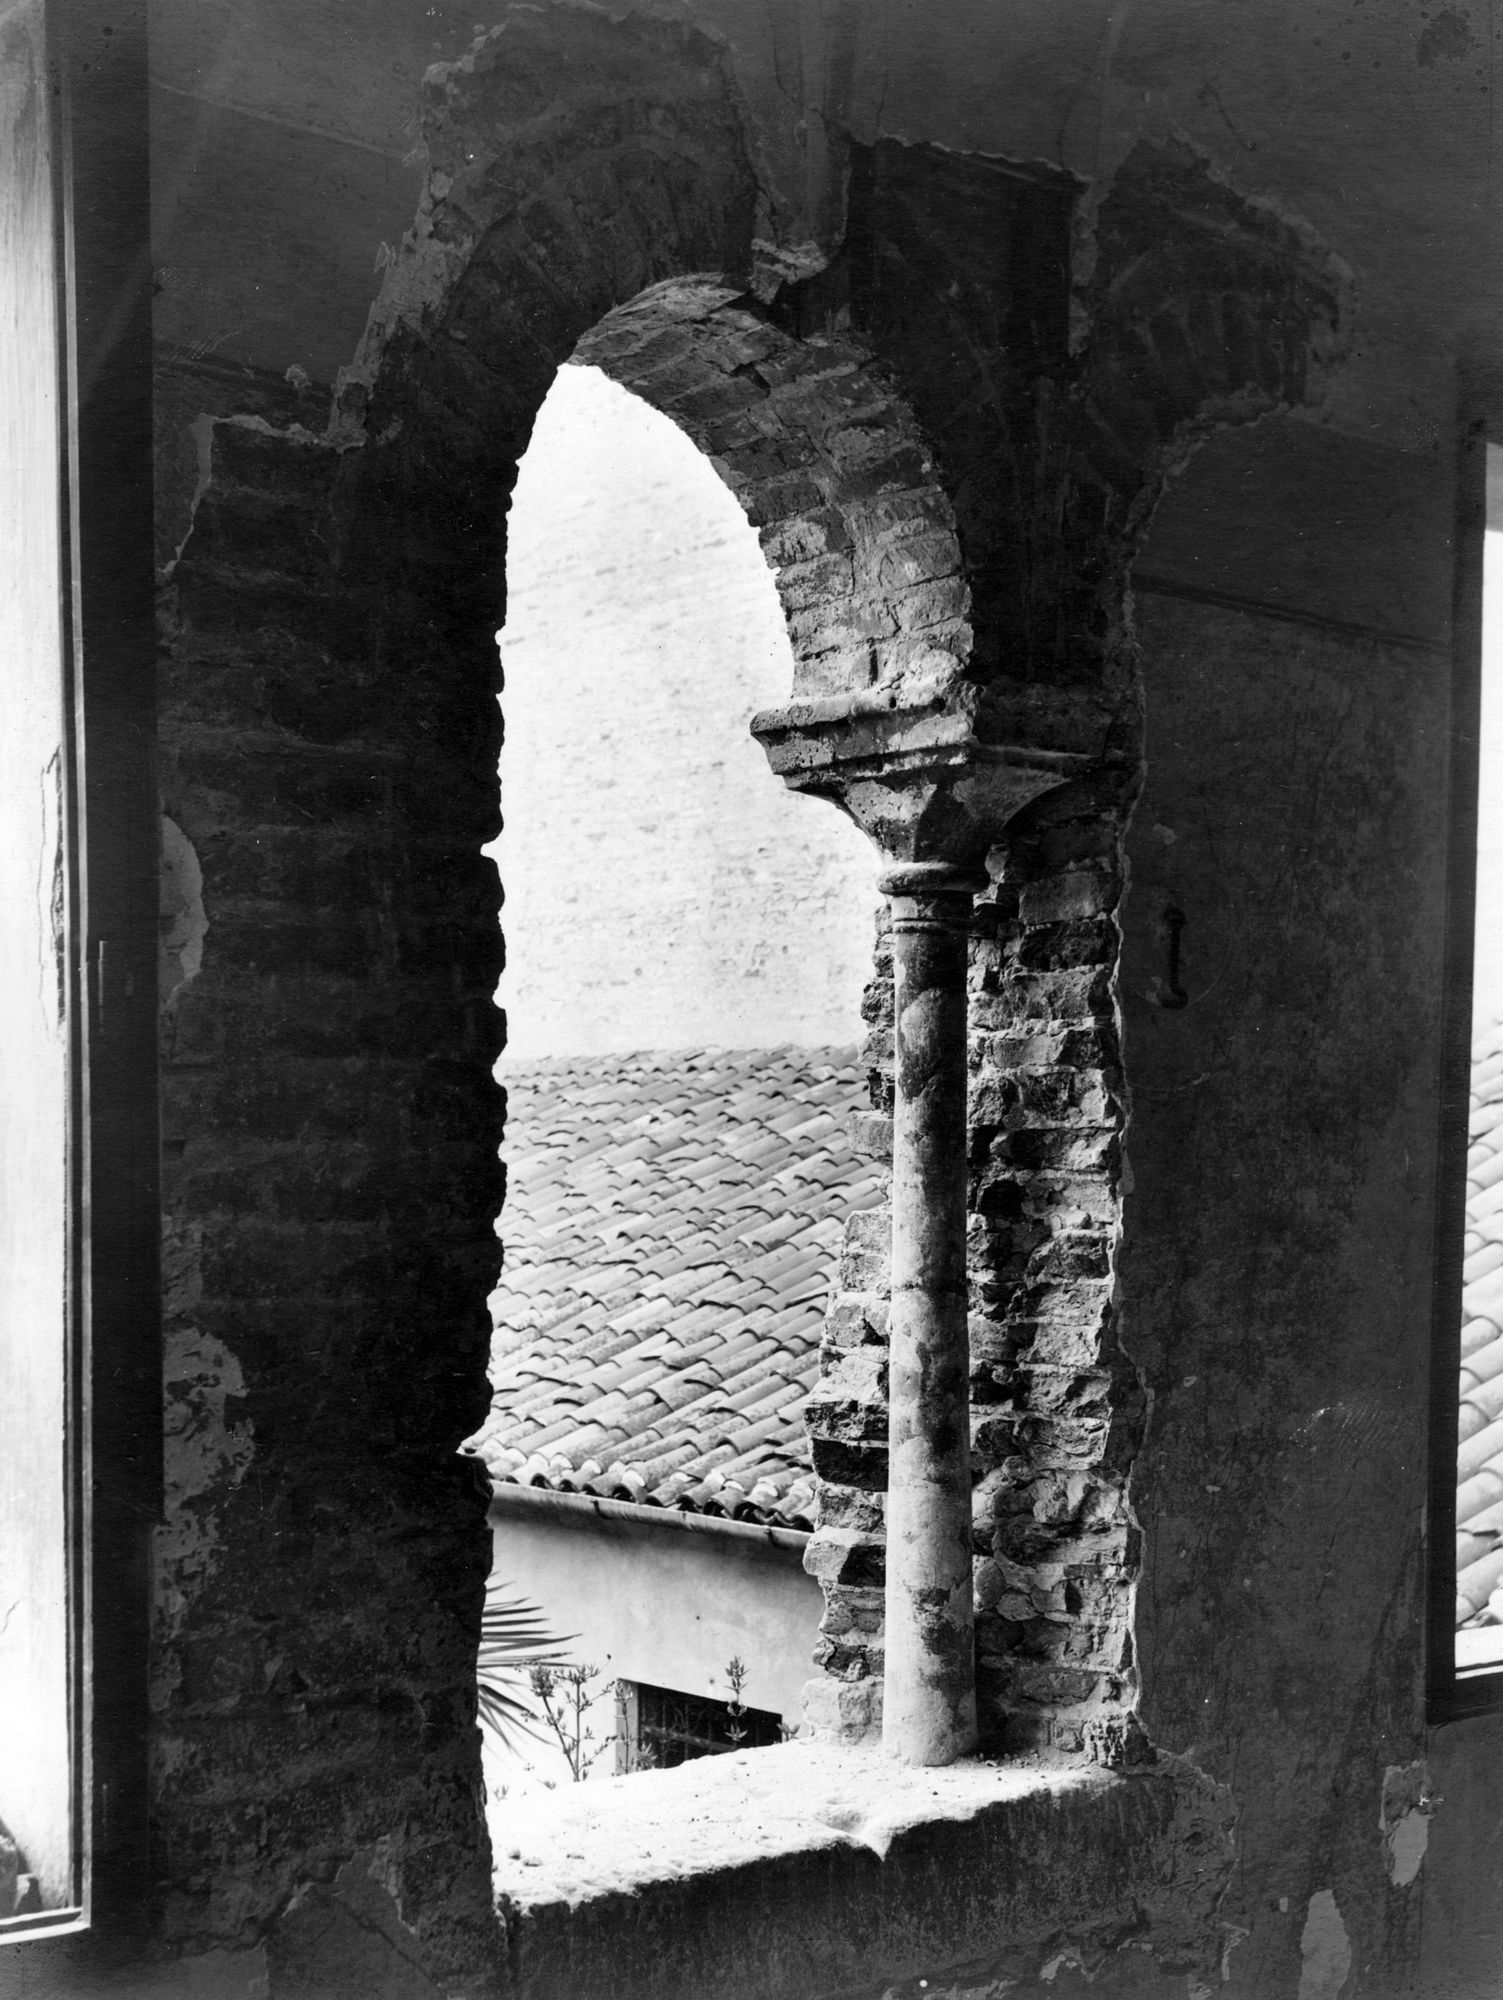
(672,1223)
(1479,1471)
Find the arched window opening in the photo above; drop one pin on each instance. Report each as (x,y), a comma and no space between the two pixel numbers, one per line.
(687,947)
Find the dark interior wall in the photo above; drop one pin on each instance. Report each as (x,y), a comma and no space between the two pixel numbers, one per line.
(1309,521)
(1461,1944)
(1276,1262)
(1368,123)
(1275,1267)
(329,1148)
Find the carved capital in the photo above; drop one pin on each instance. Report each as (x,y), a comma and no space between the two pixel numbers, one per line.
(906,765)
(931,895)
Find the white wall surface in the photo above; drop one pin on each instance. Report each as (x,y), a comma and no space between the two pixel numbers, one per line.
(663,1606)
(662,889)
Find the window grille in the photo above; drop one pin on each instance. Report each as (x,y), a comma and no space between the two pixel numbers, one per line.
(659,1727)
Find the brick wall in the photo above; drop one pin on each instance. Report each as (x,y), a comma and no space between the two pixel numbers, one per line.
(329,1154)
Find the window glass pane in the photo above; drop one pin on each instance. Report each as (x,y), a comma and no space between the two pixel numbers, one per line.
(38,1857)
(1479,1484)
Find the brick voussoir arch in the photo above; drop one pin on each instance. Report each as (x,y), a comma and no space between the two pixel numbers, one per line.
(610,223)
(830,468)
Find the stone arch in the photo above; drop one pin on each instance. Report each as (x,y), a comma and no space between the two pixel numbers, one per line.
(591,195)
(831,469)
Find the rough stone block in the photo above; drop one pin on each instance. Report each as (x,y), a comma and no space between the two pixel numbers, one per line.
(870,1132)
(849,1404)
(1043,1149)
(817,585)
(853,621)
(866,1253)
(1071,1254)
(770,500)
(854,1319)
(1084,893)
(932,604)
(839,1463)
(1068,945)
(850,1507)
(841,1711)
(845,1556)
(1069,994)
(937,653)
(916,559)
(801,539)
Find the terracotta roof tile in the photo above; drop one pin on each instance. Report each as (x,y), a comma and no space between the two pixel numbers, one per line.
(1480,1450)
(1486,1398)
(1479,1332)
(1481,1258)
(671,1227)
(1479,1465)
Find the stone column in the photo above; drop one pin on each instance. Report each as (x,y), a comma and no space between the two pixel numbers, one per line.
(929,1695)
(907,766)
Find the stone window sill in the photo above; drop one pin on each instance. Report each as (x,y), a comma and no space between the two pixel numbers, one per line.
(820,1870)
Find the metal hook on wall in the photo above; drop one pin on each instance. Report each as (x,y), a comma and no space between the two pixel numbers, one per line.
(1172,993)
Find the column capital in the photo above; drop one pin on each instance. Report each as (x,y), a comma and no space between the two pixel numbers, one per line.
(907,765)
(921,879)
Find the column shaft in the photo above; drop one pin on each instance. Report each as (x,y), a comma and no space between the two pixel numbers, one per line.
(929,1686)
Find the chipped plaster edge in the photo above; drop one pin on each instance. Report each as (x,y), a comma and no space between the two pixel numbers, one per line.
(1406,1807)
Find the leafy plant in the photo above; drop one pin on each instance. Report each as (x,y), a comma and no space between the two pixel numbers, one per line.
(516,1641)
(735,1708)
(567,1698)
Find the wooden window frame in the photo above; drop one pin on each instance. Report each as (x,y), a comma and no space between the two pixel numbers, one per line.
(101,371)
(1452,1695)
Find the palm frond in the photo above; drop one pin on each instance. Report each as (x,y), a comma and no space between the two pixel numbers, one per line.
(515,1637)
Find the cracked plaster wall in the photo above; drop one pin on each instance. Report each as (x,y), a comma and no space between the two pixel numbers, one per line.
(1274,1300)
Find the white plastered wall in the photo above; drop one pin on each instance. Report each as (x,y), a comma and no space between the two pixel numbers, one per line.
(663,890)
(659,1605)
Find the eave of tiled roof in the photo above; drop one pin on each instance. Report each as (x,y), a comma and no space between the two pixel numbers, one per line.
(510,1501)
(672,1222)
(1479,1466)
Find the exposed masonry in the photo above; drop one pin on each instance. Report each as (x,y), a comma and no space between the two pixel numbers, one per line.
(329,740)
(321,1158)
(829,465)
(329,753)
(1203,311)
(1055,1406)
